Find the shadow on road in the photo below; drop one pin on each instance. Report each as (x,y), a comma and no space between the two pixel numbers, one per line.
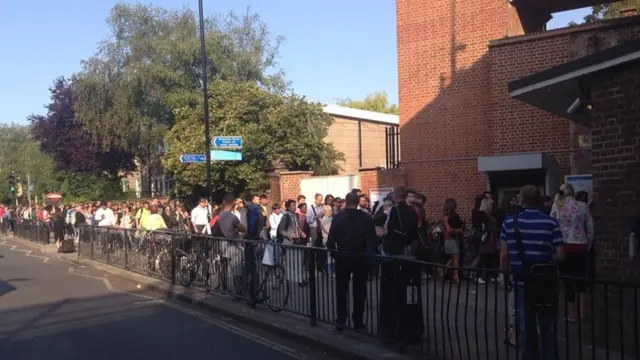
(116,326)
(6,287)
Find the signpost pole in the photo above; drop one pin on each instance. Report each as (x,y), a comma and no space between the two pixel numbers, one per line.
(205,103)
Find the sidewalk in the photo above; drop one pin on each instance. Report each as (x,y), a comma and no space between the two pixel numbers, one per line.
(462,321)
(345,345)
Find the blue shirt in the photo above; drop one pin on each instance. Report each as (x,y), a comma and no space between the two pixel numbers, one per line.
(540,234)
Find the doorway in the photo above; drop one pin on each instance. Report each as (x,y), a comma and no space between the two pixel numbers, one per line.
(506,184)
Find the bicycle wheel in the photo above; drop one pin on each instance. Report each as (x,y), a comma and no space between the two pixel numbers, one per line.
(277,288)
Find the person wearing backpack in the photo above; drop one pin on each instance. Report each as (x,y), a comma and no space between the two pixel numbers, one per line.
(532,245)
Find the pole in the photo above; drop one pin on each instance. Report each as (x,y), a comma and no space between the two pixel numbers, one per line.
(205,103)
(29,190)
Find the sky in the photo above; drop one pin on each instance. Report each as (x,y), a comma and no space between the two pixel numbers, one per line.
(334,49)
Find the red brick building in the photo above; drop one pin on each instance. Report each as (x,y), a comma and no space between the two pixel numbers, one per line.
(463,132)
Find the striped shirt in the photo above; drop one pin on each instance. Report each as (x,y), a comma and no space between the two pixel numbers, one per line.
(540,234)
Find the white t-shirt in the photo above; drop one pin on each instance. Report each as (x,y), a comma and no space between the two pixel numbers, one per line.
(274,221)
(200,216)
(105,217)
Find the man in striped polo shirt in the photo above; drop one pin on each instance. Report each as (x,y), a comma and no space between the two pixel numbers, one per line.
(542,245)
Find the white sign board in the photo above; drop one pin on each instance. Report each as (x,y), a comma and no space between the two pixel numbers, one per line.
(581,183)
(378,194)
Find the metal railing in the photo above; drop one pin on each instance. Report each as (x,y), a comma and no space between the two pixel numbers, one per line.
(392,147)
(407,303)
(33,231)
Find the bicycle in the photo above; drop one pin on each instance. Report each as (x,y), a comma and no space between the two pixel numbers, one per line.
(278,273)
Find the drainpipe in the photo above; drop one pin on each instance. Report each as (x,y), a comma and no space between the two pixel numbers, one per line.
(360,143)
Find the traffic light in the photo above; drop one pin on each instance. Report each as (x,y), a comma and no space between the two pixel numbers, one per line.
(12,182)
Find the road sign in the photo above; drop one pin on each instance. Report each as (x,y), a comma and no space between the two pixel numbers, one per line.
(227,142)
(225,155)
(193,158)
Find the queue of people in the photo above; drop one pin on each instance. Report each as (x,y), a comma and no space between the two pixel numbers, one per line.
(352,239)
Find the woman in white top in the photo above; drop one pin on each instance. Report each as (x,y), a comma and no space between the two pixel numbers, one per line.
(126,222)
(576,225)
(272,251)
(327,216)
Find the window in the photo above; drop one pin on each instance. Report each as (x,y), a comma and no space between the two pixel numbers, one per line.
(125,185)
(168,185)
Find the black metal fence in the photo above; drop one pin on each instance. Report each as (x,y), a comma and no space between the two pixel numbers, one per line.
(416,305)
(392,146)
(31,230)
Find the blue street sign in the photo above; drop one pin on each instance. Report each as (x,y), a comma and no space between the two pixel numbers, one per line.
(227,142)
(193,158)
(224,155)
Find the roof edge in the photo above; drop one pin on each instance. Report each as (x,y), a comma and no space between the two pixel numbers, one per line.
(366,115)
(607,24)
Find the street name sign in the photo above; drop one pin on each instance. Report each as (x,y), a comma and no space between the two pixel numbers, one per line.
(227,142)
(193,158)
(225,155)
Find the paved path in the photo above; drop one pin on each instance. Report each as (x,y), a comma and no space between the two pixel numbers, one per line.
(51,310)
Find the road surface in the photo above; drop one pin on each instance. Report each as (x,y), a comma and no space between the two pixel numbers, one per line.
(52,310)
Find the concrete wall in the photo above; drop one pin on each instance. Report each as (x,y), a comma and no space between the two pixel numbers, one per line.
(343,134)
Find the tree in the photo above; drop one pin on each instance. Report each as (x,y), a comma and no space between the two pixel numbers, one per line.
(608,11)
(70,146)
(276,129)
(378,102)
(20,153)
(150,65)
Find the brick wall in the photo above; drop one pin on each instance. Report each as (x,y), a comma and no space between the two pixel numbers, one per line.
(275,197)
(443,79)
(616,164)
(454,104)
(372,178)
(290,183)
(518,127)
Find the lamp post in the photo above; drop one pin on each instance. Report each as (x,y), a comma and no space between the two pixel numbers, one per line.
(205,102)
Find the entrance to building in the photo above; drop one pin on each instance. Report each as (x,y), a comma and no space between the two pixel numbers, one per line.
(506,184)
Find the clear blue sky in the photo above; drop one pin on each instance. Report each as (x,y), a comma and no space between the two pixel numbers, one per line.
(334,48)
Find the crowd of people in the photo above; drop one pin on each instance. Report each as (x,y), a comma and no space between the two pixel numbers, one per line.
(529,233)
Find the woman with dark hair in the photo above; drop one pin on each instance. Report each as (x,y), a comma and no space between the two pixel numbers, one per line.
(58,228)
(453,233)
(478,220)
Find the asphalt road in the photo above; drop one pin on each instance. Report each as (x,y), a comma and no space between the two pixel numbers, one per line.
(52,310)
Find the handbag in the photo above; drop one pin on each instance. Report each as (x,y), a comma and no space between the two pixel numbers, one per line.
(540,279)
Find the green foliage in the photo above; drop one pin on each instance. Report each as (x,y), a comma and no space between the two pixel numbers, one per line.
(276,129)
(609,11)
(378,102)
(21,154)
(150,65)
(87,187)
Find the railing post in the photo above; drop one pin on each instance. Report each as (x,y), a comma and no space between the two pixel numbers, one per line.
(91,236)
(127,244)
(173,259)
(108,246)
(313,303)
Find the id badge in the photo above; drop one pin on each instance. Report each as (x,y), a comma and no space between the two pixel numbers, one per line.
(412,295)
